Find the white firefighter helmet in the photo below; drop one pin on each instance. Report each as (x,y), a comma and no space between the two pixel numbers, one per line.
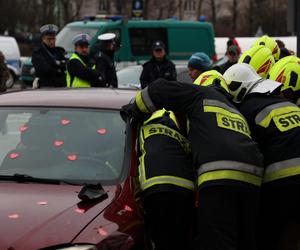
(242,80)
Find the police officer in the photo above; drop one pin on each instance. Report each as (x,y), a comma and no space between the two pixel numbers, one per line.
(275,126)
(198,63)
(80,70)
(103,54)
(167,181)
(228,162)
(159,66)
(48,60)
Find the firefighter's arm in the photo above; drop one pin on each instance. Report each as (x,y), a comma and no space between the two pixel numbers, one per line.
(171,95)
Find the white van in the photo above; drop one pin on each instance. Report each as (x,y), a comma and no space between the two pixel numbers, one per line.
(10,49)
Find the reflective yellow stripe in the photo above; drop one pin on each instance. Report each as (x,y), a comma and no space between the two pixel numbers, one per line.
(282,169)
(229,175)
(166,179)
(159,129)
(286,172)
(229,120)
(231,165)
(265,116)
(140,103)
(216,103)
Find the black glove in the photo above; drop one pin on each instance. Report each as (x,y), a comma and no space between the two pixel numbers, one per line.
(131,111)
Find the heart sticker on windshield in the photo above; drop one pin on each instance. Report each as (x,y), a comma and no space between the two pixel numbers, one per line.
(65,122)
(14,155)
(72,157)
(13,216)
(23,128)
(101,131)
(58,143)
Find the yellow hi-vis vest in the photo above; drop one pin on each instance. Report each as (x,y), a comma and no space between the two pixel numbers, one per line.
(77,82)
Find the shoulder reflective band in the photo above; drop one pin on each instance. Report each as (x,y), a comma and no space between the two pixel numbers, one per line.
(229,120)
(282,169)
(216,103)
(229,175)
(158,129)
(230,165)
(265,116)
(165,179)
(144,102)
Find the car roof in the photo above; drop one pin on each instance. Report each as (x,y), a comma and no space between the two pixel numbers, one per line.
(81,98)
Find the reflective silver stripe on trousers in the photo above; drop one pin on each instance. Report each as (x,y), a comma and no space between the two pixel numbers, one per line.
(168,180)
(216,103)
(267,110)
(230,165)
(147,100)
(282,164)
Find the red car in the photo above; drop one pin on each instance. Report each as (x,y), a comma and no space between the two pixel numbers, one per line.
(68,171)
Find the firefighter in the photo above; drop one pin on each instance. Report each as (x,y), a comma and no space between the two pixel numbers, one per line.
(275,126)
(287,71)
(49,60)
(167,181)
(260,58)
(81,72)
(270,43)
(211,77)
(227,161)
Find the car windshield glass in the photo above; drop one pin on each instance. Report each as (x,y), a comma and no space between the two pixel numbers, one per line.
(81,145)
(65,36)
(129,77)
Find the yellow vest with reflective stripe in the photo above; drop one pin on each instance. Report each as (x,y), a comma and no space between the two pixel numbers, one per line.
(77,82)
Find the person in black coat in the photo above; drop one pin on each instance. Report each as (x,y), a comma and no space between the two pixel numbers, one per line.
(48,60)
(158,66)
(103,54)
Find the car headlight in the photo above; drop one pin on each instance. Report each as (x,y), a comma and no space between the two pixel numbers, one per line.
(78,247)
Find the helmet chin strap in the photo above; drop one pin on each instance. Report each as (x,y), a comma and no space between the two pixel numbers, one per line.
(255,84)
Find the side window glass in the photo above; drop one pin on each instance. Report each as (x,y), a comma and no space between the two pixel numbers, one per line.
(141,39)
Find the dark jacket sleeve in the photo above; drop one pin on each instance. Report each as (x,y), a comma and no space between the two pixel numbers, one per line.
(75,68)
(172,95)
(43,66)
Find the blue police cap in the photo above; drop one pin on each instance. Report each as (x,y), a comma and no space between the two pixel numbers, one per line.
(49,29)
(81,39)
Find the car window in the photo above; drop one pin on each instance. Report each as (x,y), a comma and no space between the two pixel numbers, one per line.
(141,39)
(8,49)
(65,36)
(129,77)
(67,144)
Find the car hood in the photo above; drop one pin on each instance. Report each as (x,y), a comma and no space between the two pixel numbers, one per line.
(34,216)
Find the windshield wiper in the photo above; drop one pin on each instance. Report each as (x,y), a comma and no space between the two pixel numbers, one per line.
(23,178)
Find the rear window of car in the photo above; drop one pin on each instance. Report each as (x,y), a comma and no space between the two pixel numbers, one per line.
(82,145)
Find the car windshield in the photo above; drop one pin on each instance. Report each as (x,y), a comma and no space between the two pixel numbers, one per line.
(82,145)
(65,36)
(129,77)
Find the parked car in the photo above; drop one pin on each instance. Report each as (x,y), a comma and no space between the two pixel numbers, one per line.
(129,77)
(11,51)
(67,171)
